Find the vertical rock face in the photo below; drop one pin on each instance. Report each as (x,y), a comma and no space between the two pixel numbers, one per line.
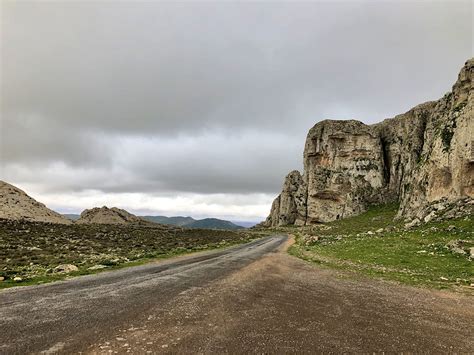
(445,171)
(418,158)
(402,139)
(290,206)
(343,169)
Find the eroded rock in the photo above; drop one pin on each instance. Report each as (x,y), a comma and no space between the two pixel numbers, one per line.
(423,159)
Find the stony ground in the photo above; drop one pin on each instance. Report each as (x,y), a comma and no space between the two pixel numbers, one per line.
(254,299)
(32,252)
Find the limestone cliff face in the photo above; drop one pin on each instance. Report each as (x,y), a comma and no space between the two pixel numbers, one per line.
(343,169)
(445,171)
(290,206)
(418,158)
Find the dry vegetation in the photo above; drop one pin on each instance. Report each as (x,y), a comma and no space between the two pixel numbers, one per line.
(32,251)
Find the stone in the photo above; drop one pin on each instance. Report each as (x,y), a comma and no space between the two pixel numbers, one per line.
(456,247)
(422,159)
(429,217)
(412,224)
(2,278)
(17,279)
(97,267)
(65,268)
(379,230)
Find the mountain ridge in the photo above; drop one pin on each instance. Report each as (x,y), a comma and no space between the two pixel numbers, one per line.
(189,222)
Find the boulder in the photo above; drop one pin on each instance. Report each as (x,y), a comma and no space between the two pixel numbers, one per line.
(66,268)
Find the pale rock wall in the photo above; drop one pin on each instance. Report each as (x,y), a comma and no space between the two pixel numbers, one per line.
(419,158)
(342,168)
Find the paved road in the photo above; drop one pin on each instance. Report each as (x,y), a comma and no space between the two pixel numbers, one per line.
(252,298)
(68,315)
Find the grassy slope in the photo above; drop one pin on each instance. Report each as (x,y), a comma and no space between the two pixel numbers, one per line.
(418,256)
(32,250)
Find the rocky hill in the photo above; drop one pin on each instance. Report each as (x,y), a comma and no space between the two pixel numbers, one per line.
(15,204)
(106,215)
(423,159)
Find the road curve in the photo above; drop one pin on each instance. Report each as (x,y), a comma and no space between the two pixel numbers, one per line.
(70,315)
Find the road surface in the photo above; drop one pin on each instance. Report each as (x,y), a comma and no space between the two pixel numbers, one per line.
(249,298)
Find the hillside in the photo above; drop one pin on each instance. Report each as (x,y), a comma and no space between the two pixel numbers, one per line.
(15,204)
(422,160)
(436,254)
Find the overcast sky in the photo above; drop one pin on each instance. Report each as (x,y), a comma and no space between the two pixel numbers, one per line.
(202,108)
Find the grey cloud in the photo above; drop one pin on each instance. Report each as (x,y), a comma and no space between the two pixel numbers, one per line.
(87,85)
(212,163)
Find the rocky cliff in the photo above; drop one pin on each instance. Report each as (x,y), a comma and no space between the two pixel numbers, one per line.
(423,159)
(15,204)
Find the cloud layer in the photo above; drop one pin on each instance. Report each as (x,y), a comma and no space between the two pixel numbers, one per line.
(197,100)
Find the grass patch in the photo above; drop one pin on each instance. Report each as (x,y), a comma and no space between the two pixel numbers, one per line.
(433,255)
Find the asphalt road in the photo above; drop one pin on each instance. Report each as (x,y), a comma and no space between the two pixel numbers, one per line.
(253,298)
(66,316)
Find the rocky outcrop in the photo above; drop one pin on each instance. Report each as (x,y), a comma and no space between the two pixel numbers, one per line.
(105,215)
(344,169)
(15,204)
(419,159)
(290,206)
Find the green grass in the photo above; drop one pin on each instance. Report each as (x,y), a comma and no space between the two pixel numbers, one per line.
(417,256)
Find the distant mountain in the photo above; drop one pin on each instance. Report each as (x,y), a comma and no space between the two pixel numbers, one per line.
(245,224)
(72,216)
(189,222)
(213,223)
(176,221)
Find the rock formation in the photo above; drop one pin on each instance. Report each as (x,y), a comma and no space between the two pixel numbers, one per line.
(423,159)
(15,204)
(105,215)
